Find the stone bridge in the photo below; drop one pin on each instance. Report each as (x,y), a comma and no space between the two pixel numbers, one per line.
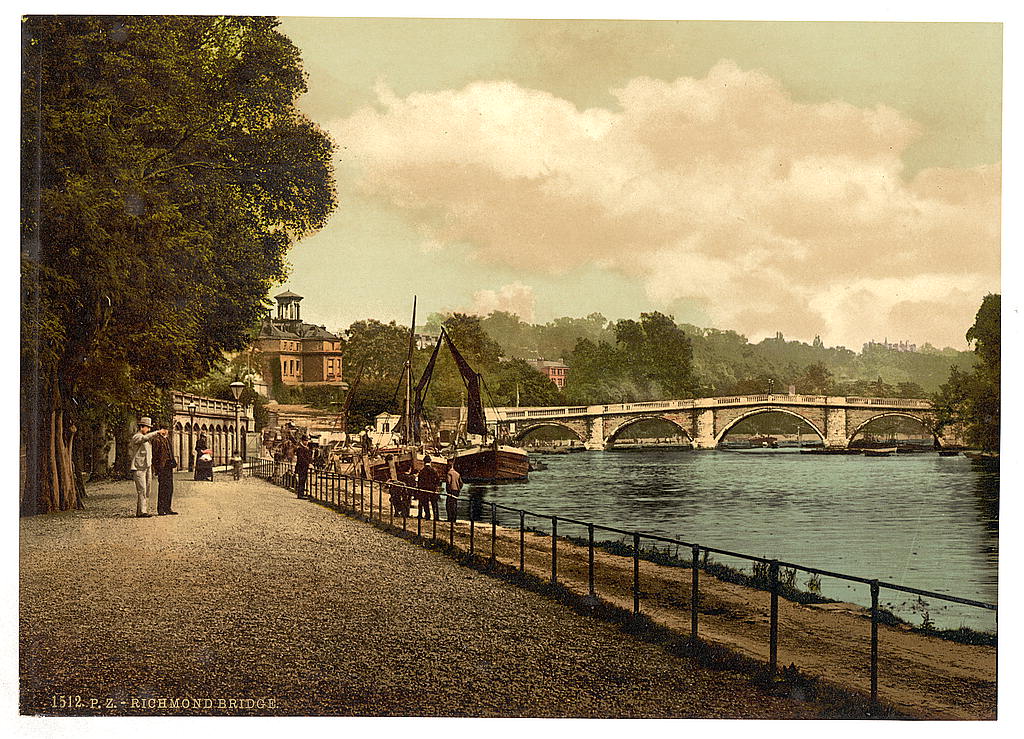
(705,421)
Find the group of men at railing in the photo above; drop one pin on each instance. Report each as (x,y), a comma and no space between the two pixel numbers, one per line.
(425,486)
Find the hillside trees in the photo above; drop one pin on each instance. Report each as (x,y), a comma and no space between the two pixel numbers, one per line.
(651,359)
(165,172)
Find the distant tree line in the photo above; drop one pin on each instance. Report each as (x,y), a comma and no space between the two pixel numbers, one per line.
(629,360)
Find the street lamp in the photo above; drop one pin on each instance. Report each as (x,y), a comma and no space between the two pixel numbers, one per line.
(771,384)
(236,390)
(191,430)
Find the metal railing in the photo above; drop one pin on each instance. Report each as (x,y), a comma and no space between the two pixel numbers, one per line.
(365,498)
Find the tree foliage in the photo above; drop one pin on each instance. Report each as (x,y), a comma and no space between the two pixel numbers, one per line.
(969,401)
(165,171)
(651,358)
(377,350)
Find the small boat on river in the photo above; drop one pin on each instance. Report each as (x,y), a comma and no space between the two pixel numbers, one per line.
(881,452)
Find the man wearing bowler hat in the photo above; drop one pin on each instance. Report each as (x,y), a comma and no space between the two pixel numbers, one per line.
(140,452)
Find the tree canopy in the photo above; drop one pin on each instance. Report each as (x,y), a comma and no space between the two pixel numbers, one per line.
(165,172)
(969,401)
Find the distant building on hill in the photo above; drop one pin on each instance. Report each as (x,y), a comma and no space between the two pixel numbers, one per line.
(299,353)
(903,346)
(555,371)
(425,340)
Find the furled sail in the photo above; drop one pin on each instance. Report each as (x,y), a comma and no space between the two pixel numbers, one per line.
(421,391)
(475,422)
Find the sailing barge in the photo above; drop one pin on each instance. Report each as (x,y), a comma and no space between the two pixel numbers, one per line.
(480,460)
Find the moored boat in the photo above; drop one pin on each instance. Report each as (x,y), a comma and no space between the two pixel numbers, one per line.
(490,462)
(882,452)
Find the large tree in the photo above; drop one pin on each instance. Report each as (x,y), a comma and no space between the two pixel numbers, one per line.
(377,350)
(969,401)
(165,171)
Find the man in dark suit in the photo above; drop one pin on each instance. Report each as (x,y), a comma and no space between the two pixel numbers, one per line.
(303,456)
(163,467)
(428,482)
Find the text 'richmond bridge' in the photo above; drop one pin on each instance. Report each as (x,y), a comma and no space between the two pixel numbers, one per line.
(704,422)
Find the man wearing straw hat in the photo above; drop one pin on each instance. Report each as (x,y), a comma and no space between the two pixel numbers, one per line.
(140,452)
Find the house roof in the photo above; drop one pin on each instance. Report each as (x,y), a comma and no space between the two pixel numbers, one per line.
(309,331)
(270,331)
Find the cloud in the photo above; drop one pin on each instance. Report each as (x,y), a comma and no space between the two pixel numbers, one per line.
(723,192)
(513,298)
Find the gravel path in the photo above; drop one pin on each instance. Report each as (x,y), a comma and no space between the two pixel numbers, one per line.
(288,608)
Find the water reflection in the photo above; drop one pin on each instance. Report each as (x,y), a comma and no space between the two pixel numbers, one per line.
(918,520)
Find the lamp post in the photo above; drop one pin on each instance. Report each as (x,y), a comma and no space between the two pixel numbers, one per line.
(236,390)
(771,384)
(191,431)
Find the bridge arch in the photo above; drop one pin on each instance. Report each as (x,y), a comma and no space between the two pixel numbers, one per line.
(768,409)
(521,433)
(610,438)
(899,414)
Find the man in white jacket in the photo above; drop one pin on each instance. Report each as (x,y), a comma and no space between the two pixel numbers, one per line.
(140,452)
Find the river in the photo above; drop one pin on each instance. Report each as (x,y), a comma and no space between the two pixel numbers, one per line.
(917,520)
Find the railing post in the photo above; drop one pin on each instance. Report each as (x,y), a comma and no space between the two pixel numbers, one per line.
(773,633)
(494,531)
(694,590)
(472,530)
(590,560)
(554,549)
(636,573)
(522,541)
(362,511)
(874,642)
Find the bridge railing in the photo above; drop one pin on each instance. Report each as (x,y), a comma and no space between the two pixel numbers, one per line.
(511,414)
(571,562)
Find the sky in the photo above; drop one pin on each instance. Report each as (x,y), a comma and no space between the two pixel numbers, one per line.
(833,179)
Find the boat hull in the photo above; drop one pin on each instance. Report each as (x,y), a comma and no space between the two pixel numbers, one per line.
(487,463)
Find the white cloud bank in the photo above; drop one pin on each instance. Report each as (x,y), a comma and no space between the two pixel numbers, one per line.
(768,214)
(512,298)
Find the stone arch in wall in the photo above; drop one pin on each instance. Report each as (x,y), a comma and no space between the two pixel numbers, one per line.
(179,435)
(772,409)
(898,414)
(521,433)
(616,428)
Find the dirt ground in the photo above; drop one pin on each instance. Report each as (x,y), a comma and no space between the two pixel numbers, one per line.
(919,675)
(252,602)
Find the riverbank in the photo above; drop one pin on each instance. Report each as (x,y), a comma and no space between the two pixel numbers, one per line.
(287,608)
(919,675)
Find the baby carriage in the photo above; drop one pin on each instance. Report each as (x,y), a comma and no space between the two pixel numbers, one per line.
(204,466)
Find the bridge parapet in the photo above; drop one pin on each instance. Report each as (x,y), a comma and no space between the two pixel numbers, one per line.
(647,406)
(705,420)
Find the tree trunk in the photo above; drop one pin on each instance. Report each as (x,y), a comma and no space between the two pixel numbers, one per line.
(52,482)
(122,435)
